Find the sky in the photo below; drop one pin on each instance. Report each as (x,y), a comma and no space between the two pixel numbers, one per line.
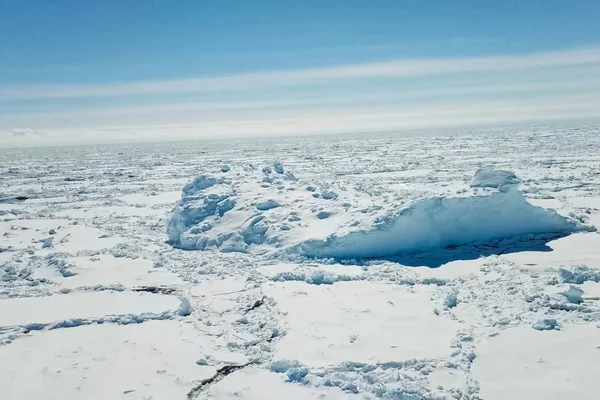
(108,71)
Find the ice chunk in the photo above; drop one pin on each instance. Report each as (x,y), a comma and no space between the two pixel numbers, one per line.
(573,294)
(196,205)
(323,214)
(185,308)
(49,242)
(255,231)
(267,205)
(278,167)
(451,299)
(200,183)
(440,222)
(546,325)
(579,275)
(493,178)
(329,195)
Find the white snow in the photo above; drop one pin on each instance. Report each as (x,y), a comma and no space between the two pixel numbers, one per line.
(359,321)
(75,238)
(152,199)
(107,270)
(107,211)
(22,233)
(156,359)
(577,249)
(82,305)
(525,364)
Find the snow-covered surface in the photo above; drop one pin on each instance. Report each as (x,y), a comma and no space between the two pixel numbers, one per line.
(106,270)
(524,364)
(327,325)
(101,298)
(78,305)
(156,360)
(258,384)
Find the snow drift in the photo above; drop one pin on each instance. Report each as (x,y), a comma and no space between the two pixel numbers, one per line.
(438,223)
(269,210)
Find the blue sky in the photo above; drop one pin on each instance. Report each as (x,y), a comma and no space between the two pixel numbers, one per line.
(84,71)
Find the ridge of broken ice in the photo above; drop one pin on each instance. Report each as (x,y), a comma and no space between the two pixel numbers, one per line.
(438,223)
(268,210)
(493,178)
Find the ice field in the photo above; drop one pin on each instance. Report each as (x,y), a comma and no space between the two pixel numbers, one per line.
(451,265)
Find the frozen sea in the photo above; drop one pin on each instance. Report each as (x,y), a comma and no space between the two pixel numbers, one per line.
(448,265)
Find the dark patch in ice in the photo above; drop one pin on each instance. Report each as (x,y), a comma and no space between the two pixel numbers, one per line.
(155,289)
(256,304)
(19,198)
(218,376)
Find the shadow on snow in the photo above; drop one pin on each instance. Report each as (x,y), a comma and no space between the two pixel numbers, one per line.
(439,257)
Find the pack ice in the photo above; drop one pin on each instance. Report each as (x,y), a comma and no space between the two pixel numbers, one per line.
(272,211)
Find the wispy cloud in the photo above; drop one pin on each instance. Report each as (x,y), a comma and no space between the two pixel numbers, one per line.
(326,120)
(27,132)
(350,98)
(287,78)
(211,110)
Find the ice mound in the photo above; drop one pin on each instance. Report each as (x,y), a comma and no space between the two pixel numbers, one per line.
(229,213)
(268,210)
(438,223)
(493,178)
(198,207)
